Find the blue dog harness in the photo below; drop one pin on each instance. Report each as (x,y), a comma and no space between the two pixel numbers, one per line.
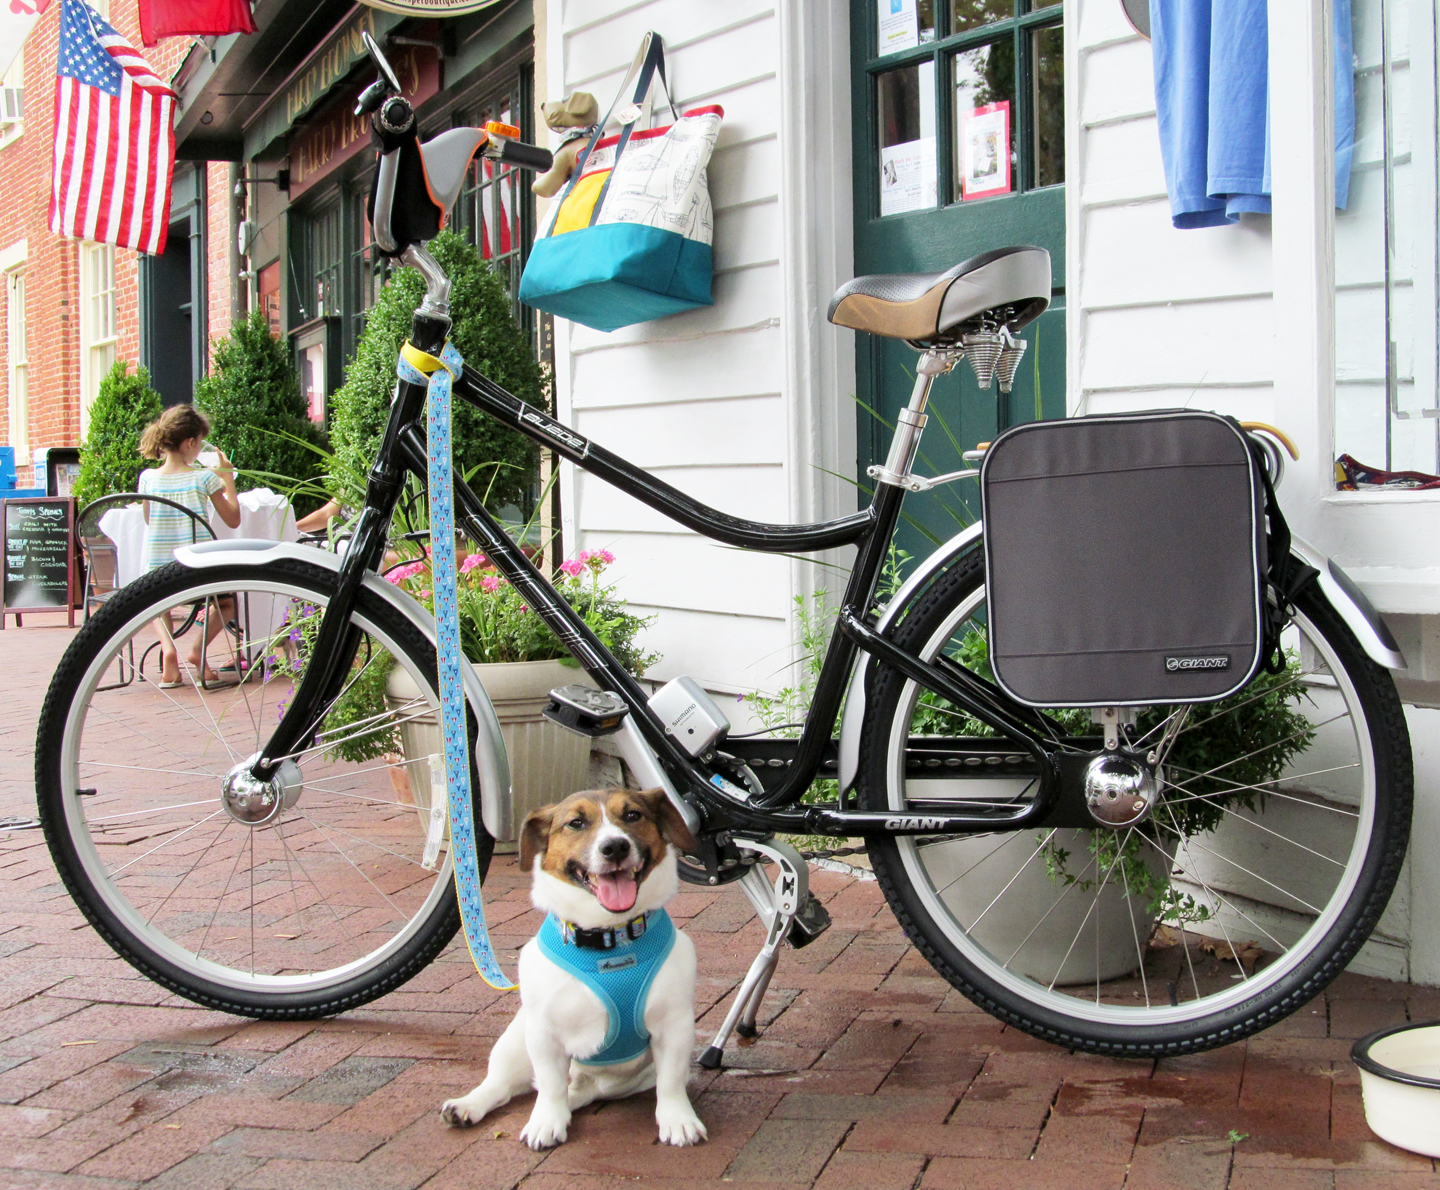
(619,967)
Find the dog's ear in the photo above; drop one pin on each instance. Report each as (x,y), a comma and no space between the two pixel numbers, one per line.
(535,836)
(671,822)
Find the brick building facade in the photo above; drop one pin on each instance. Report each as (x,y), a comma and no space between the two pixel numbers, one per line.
(53,346)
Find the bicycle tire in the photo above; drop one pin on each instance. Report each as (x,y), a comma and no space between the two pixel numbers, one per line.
(375,938)
(1289,963)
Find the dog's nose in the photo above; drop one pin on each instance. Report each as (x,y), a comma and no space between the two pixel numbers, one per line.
(615,849)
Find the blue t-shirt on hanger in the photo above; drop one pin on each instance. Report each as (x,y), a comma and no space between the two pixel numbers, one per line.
(1212,99)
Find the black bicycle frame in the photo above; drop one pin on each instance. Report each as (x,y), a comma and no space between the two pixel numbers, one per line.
(403,451)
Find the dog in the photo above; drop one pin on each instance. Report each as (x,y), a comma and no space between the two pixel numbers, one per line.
(603,865)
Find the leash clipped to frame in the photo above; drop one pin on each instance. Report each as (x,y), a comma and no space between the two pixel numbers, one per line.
(438,374)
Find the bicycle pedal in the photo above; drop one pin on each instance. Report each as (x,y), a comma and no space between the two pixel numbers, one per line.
(586,711)
(809,923)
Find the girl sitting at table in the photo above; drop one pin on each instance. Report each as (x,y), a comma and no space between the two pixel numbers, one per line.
(176,438)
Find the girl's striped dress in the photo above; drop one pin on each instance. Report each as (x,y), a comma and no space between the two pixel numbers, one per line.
(169,528)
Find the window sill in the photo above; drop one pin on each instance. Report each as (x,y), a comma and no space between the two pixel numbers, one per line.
(1342,499)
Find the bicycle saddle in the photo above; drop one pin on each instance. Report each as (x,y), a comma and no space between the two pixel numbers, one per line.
(1010,284)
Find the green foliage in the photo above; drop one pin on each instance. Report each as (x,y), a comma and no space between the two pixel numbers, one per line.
(484,333)
(110,455)
(257,414)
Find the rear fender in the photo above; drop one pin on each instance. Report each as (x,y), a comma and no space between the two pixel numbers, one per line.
(1345,597)
(1354,608)
(854,718)
(491,763)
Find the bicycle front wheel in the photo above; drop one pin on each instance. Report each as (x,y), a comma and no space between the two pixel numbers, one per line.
(1280,829)
(316,902)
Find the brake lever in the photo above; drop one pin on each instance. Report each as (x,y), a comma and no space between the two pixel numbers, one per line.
(372,97)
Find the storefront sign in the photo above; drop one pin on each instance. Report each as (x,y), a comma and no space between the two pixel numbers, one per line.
(337,134)
(333,63)
(431,8)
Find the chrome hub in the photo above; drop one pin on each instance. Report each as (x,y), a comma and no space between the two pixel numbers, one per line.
(258,803)
(1120,789)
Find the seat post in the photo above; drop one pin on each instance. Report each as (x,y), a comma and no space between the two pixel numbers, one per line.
(911,422)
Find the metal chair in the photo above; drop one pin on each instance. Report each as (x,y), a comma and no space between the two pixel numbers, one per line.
(100,557)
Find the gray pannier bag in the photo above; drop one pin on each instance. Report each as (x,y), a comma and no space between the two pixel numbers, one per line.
(1126,559)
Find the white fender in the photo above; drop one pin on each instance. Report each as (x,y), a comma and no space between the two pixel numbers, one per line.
(854,718)
(491,764)
(1354,608)
(1344,595)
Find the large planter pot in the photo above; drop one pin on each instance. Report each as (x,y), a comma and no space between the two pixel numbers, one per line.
(547,763)
(1030,894)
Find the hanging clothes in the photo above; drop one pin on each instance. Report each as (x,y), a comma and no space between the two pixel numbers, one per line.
(1212,100)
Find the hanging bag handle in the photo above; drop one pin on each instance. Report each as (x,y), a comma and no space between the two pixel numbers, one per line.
(649,61)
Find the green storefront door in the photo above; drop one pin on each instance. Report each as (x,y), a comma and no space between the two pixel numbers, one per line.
(959,148)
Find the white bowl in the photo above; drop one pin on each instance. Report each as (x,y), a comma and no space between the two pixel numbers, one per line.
(1400,1079)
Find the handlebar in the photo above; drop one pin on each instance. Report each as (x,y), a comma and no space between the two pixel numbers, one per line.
(523,156)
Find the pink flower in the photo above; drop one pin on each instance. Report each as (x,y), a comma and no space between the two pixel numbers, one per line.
(575,567)
(474,562)
(596,558)
(400,573)
(524,607)
(490,584)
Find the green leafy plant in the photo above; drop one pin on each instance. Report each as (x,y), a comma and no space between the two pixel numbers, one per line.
(1226,753)
(258,415)
(483,330)
(110,455)
(495,626)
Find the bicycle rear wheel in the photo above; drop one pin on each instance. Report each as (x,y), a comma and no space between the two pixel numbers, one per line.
(1280,830)
(305,907)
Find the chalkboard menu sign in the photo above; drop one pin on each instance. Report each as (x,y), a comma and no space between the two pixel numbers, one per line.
(38,536)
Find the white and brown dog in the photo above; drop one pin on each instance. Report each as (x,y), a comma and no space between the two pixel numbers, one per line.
(607,988)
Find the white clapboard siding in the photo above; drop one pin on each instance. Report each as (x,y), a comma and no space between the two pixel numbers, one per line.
(695,397)
(1159,317)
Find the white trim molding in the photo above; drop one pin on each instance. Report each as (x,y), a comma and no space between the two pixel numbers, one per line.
(818,255)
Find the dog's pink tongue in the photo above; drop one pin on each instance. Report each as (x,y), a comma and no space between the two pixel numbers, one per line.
(616,891)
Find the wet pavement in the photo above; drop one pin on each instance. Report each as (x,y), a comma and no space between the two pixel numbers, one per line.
(870,1070)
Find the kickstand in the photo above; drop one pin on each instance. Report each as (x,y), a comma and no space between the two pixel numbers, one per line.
(776,907)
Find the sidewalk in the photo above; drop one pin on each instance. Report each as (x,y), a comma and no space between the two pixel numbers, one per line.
(871,1073)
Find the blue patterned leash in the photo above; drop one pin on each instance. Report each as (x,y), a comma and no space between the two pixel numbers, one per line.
(441,374)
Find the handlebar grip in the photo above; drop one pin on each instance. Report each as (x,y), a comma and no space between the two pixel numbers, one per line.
(526,156)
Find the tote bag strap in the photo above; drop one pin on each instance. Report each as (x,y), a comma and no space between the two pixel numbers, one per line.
(649,61)
(654,49)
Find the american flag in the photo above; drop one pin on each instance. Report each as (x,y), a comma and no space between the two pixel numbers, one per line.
(114,139)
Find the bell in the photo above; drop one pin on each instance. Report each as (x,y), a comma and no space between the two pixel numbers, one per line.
(984,349)
(1009,363)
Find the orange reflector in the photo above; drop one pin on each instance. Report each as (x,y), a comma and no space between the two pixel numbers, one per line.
(495,128)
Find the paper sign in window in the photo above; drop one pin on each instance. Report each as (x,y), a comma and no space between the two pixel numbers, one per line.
(985,151)
(907,139)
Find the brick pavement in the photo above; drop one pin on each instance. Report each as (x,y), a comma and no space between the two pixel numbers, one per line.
(870,1071)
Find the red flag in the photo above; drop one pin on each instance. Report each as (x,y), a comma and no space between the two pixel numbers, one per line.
(114,144)
(167,18)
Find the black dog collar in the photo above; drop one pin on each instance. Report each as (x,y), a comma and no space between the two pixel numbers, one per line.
(606,939)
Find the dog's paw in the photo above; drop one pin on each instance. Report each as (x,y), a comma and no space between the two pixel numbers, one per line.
(680,1126)
(544,1130)
(461,1113)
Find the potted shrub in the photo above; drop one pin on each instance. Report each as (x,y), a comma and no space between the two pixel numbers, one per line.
(258,415)
(518,660)
(110,459)
(1253,747)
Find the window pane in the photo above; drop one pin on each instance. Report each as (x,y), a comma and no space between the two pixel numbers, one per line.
(905,104)
(1048,67)
(984,120)
(971,14)
(904,24)
(1037,4)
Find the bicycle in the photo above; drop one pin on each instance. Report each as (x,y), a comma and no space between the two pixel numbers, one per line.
(152,801)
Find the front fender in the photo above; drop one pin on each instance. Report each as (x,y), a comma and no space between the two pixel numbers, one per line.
(854,718)
(491,764)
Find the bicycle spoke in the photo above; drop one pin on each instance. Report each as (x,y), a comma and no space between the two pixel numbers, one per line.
(1038,849)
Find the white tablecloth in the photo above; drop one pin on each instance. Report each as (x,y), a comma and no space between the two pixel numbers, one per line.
(263,514)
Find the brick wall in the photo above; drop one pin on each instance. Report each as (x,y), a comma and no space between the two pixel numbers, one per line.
(51,264)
